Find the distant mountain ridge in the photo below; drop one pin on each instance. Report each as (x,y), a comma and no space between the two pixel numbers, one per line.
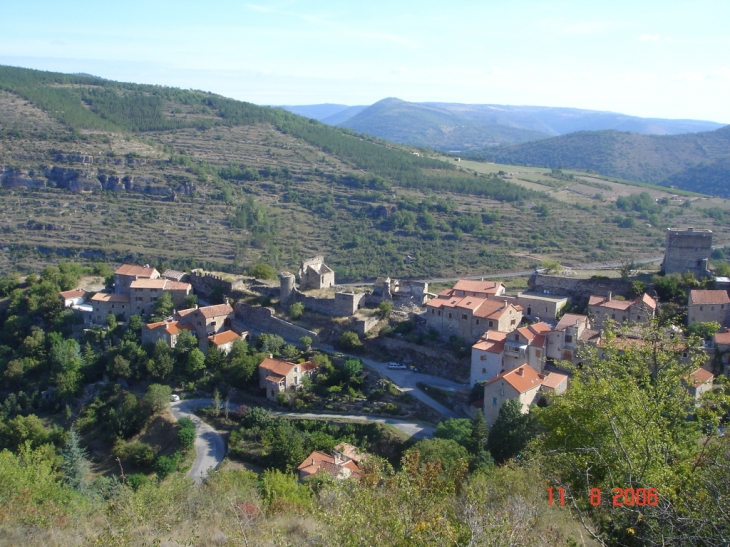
(462,127)
(698,162)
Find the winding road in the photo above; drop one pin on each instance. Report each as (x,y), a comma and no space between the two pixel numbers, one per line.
(209,445)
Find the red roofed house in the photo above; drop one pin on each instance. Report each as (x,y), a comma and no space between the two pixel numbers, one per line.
(207,321)
(336,465)
(163,330)
(144,293)
(224,341)
(498,352)
(276,375)
(470,316)
(127,273)
(482,289)
(603,308)
(73,298)
(707,306)
(103,304)
(699,382)
(522,383)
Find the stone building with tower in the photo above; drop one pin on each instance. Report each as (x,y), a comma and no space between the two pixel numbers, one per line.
(688,250)
(315,274)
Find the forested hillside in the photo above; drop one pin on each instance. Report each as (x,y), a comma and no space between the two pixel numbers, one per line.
(647,158)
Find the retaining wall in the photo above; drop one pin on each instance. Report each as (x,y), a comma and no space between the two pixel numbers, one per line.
(263,320)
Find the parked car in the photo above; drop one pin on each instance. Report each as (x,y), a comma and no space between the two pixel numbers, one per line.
(175,398)
(397,366)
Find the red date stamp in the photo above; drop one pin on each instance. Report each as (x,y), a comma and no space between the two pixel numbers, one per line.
(622,497)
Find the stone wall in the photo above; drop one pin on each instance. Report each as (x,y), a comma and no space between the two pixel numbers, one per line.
(204,282)
(364,325)
(688,251)
(435,361)
(577,288)
(261,319)
(344,304)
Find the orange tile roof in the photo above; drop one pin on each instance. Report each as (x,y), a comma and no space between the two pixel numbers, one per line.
(722,338)
(73,294)
(569,319)
(224,338)
(183,313)
(492,309)
(318,462)
(701,376)
(171,327)
(107,297)
(531,331)
(177,286)
(352,452)
(708,297)
(522,378)
(553,380)
(215,311)
(139,271)
(476,286)
(649,301)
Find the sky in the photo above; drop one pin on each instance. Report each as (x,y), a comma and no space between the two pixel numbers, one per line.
(665,59)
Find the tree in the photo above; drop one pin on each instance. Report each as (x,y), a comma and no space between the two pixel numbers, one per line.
(552,266)
(119,367)
(350,340)
(456,429)
(195,362)
(446,451)
(638,288)
(351,369)
(511,432)
(164,305)
(703,330)
(161,364)
(75,465)
(186,342)
(624,422)
(306,341)
(385,308)
(479,434)
(216,359)
(111,321)
(262,271)
(289,352)
(270,343)
(627,266)
(190,301)
(296,310)
(158,396)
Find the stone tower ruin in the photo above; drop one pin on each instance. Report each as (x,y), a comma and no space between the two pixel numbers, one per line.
(688,250)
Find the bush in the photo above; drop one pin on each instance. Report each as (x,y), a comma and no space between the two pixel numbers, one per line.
(186,433)
(296,310)
(166,465)
(350,340)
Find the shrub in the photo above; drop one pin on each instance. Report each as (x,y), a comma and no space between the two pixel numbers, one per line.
(166,465)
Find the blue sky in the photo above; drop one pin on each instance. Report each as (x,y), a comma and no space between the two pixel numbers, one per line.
(667,58)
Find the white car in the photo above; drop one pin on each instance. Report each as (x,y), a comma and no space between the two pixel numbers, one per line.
(397,366)
(175,398)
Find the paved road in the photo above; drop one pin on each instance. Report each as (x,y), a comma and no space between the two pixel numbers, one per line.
(414,429)
(209,446)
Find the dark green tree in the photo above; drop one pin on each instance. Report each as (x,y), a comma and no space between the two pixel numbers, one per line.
(74,462)
(511,432)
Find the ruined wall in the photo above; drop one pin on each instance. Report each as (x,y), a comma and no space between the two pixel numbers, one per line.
(261,319)
(342,305)
(364,325)
(577,288)
(204,282)
(687,250)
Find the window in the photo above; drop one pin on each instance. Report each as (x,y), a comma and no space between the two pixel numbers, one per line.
(449,315)
(112,306)
(538,353)
(568,339)
(613,316)
(439,312)
(494,400)
(701,307)
(477,321)
(517,337)
(483,358)
(501,392)
(491,323)
(433,311)
(464,316)
(512,322)
(484,371)
(139,299)
(712,308)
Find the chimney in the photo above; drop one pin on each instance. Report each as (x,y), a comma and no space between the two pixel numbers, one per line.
(521,371)
(537,319)
(505,304)
(609,296)
(312,461)
(271,355)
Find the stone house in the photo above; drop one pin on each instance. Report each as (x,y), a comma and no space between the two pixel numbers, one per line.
(470,316)
(522,383)
(566,338)
(175,275)
(224,341)
(276,375)
(604,308)
(207,321)
(144,293)
(699,382)
(471,287)
(103,304)
(127,273)
(537,306)
(163,330)
(315,274)
(706,306)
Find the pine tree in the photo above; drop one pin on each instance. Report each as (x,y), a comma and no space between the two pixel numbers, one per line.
(75,466)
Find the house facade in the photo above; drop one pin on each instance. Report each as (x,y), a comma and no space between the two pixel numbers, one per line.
(127,273)
(602,309)
(208,320)
(168,331)
(707,306)
(566,338)
(470,316)
(224,341)
(276,375)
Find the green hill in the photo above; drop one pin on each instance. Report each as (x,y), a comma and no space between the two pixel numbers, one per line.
(103,170)
(433,127)
(646,158)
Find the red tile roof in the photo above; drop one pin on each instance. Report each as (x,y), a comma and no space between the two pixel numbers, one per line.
(223,338)
(492,343)
(623,305)
(722,338)
(139,271)
(492,309)
(318,462)
(479,287)
(701,376)
(148,284)
(522,378)
(171,327)
(708,297)
(553,380)
(72,294)
(278,367)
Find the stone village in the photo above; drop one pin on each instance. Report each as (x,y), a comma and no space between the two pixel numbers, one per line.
(518,340)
